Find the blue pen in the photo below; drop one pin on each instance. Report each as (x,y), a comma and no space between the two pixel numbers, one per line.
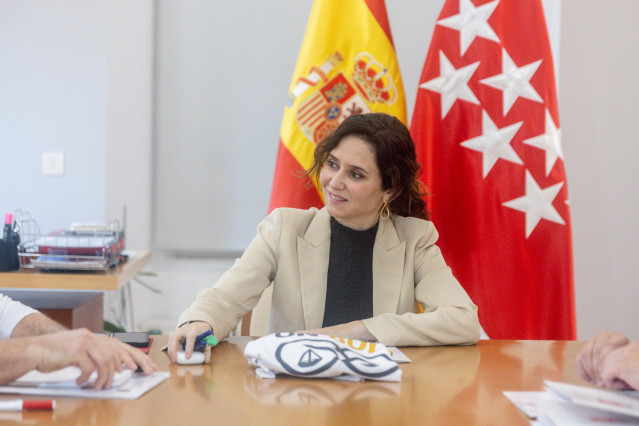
(200,341)
(205,339)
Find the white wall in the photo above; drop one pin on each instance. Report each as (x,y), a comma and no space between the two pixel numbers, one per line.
(53,98)
(599,112)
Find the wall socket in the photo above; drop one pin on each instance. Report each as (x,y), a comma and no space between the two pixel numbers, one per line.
(53,163)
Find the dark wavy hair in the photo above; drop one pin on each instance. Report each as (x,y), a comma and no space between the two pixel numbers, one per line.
(395,156)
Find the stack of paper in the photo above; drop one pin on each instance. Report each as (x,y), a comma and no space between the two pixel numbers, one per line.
(66,377)
(565,404)
(125,385)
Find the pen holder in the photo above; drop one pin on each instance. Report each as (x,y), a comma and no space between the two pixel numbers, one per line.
(9,260)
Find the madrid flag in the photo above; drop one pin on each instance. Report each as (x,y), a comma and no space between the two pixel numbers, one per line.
(346,66)
(486,126)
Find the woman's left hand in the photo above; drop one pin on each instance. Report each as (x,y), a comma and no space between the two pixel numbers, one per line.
(350,330)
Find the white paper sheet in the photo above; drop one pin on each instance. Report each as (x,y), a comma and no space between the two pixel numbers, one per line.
(531,402)
(397,355)
(66,377)
(135,387)
(566,404)
(624,402)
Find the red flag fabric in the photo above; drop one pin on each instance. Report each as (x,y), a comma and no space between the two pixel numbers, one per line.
(486,126)
(346,66)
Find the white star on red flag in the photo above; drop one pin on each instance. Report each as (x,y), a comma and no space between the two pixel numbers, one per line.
(537,204)
(452,83)
(494,143)
(549,142)
(514,81)
(471,22)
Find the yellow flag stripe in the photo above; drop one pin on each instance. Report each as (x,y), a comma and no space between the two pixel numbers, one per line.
(348,28)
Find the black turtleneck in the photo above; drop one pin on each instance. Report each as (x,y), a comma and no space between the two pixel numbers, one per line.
(349,285)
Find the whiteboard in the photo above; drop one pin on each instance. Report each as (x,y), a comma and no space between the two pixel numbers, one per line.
(222,74)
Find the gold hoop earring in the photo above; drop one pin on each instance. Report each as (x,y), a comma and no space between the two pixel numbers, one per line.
(384,213)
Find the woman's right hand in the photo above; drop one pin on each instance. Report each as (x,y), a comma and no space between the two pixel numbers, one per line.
(186,334)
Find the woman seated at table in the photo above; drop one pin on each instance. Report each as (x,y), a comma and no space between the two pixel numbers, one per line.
(356,267)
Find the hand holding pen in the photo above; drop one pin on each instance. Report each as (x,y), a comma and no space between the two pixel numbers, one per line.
(189,337)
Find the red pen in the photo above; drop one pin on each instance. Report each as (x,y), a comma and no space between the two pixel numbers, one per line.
(20,405)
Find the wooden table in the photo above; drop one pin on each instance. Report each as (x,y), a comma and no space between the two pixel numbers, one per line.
(442,386)
(75,299)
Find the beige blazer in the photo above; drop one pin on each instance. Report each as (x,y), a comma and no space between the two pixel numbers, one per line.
(291,251)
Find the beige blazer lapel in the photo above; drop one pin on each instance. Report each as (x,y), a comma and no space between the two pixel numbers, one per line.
(388,265)
(312,257)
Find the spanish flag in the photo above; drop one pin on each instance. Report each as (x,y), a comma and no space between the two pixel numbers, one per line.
(346,66)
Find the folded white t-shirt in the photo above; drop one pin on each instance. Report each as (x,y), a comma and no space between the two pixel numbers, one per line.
(317,356)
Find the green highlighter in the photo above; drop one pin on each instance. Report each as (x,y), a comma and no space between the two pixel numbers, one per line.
(205,339)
